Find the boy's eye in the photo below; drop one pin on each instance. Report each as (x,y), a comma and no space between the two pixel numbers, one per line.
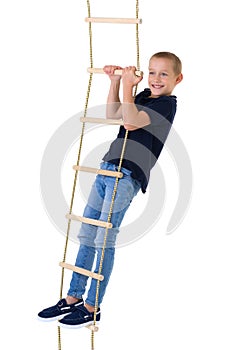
(164,74)
(151,73)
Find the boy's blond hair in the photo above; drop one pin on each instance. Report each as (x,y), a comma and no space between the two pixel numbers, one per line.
(177,65)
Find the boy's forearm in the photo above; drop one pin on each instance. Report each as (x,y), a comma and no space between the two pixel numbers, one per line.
(133,119)
(113,101)
(129,110)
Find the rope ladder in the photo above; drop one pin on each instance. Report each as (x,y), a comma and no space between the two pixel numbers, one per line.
(107,225)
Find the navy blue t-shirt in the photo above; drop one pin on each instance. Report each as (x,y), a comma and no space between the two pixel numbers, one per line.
(144,145)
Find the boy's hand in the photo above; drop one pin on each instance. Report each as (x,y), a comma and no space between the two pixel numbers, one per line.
(109,70)
(129,77)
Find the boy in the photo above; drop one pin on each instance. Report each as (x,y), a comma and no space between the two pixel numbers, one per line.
(148,118)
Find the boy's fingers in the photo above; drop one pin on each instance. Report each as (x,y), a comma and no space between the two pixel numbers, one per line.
(110,69)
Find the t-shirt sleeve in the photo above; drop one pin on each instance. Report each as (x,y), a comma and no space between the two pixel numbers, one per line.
(160,111)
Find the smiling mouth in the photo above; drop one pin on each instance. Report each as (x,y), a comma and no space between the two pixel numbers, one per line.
(156,86)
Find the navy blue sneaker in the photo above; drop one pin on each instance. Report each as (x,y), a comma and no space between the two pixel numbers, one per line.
(80,318)
(59,310)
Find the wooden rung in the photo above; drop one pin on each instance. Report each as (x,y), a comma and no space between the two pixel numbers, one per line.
(117,71)
(113,20)
(98,171)
(89,221)
(82,271)
(93,328)
(102,121)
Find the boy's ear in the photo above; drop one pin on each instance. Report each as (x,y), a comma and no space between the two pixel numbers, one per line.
(179,78)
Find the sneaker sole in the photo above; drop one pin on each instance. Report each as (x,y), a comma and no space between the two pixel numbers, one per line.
(77,326)
(51,319)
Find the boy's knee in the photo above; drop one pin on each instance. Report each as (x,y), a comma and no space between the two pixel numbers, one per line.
(87,234)
(109,240)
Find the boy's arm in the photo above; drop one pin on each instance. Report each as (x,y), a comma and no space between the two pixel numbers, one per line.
(133,119)
(113,109)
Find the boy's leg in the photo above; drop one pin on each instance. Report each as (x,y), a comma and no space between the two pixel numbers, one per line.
(107,268)
(85,258)
(126,190)
(87,235)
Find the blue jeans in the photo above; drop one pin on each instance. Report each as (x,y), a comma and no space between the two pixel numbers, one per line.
(92,237)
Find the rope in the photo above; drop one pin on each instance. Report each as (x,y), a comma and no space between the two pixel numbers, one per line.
(77,163)
(137,43)
(106,235)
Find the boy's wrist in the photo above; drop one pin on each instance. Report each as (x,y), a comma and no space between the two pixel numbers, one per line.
(115,83)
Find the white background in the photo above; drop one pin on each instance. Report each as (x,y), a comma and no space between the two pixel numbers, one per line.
(166,292)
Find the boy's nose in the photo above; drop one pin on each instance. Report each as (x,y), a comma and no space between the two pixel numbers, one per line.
(156,78)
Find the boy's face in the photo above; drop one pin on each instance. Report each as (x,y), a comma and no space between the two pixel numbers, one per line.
(162,78)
